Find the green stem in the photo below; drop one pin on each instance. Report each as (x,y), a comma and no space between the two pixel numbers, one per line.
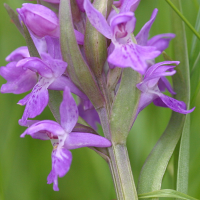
(183,18)
(119,164)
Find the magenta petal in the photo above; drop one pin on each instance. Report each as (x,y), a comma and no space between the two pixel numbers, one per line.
(164,83)
(142,36)
(61,161)
(175,105)
(132,55)
(161,42)
(18,79)
(79,37)
(18,54)
(90,115)
(80,5)
(36,65)
(97,20)
(53,46)
(40,20)
(44,130)
(159,102)
(68,111)
(77,140)
(129,5)
(37,100)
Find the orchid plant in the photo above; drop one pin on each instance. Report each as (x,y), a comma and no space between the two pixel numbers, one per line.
(84,60)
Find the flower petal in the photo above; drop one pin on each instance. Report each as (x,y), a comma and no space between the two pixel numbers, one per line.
(18,54)
(18,79)
(44,130)
(161,42)
(61,161)
(37,100)
(132,55)
(97,19)
(164,83)
(68,111)
(36,65)
(77,140)
(175,105)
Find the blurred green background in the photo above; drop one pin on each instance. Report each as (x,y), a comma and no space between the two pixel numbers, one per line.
(25,162)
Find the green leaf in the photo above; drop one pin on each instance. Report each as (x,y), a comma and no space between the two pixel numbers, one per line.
(182,55)
(166,193)
(183,18)
(78,69)
(31,46)
(14,18)
(55,99)
(125,105)
(155,166)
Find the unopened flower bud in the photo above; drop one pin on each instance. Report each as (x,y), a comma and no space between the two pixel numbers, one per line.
(39,19)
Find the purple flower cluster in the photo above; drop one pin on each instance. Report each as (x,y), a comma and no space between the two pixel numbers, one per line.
(48,72)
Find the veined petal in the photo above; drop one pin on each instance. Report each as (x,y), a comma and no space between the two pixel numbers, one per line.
(53,46)
(77,140)
(61,161)
(142,36)
(68,111)
(132,55)
(18,54)
(175,105)
(161,42)
(97,20)
(44,130)
(37,100)
(164,83)
(36,65)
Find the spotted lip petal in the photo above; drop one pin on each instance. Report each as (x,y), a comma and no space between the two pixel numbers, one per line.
(37,100)
(61,161)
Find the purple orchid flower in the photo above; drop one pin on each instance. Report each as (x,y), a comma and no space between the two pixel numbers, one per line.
(124,52)
(42,21)
(152,86)
(63,139)
(19,80)
(49,70)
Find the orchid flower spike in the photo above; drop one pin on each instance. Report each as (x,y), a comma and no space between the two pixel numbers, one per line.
(63,139)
